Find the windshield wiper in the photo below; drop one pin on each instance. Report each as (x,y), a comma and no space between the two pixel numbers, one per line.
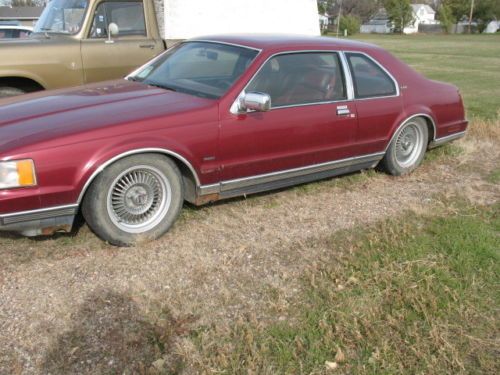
(160,85)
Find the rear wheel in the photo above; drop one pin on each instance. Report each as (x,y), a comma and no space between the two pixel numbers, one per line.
(407,149)
(6,91)
(135,199)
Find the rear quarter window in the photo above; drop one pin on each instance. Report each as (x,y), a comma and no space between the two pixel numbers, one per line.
(369,79)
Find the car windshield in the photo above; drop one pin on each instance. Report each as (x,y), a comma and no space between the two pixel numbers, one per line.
(204,69)
(62,16)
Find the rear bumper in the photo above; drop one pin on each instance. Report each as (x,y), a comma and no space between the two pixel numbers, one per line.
(40,222)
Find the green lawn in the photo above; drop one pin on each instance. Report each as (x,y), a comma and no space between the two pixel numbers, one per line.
(411,297)
(472,62)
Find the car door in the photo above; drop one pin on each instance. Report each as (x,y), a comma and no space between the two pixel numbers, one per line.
(378,103)
(311,120)
(109,58)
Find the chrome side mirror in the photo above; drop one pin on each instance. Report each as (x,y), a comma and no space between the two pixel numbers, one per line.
(256,101)
(113,30)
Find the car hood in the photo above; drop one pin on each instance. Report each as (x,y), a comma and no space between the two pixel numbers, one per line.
(34,118)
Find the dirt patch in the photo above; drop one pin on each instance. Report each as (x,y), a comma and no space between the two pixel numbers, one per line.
(76,305)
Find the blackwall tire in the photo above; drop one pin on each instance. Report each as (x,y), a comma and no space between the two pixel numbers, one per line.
(136,199)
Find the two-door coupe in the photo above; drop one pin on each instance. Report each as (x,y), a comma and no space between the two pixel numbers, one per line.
(213,118)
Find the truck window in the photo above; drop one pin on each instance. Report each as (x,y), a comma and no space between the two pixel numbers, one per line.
(62,16)
(129,16)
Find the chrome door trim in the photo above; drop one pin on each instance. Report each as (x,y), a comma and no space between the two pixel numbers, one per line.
(285,174)
(135,152)
(219,42)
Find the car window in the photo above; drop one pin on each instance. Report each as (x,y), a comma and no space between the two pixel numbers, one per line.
(6,34)
(199,68)
(369,79)
(128,16)
(301,78)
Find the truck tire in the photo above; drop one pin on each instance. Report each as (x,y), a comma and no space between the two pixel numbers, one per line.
(6,91)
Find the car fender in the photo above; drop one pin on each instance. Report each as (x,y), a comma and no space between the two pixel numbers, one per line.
(412,112)
(112,153)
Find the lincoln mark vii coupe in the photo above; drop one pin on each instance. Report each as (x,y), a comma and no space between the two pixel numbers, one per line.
(213,118)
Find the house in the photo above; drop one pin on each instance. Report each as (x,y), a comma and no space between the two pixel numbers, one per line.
(423,14)
(492,27)
(380,23)
(22,16)
(324,21)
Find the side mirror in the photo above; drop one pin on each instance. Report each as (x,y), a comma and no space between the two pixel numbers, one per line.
(113,30)
(256,101)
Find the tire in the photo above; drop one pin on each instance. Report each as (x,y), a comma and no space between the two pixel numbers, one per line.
(407,148)
(136,199)
(6,91)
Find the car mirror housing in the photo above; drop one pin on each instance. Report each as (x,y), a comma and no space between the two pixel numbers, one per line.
(256,101)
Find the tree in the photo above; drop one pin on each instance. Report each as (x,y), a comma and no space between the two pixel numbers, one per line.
(400,13)
(350,23)
(446,18)
(484,10)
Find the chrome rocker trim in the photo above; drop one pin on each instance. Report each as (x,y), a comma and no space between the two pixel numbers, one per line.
(277,180)
(441,141)
(37,222)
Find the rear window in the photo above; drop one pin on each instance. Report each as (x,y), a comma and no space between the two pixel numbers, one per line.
(370,80)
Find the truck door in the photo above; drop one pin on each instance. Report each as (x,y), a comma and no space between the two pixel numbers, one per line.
(104,58)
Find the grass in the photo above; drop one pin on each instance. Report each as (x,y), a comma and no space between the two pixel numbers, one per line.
(413,295)
(471,62)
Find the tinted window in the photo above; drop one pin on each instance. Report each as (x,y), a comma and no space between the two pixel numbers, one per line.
(301,78)
(369,79)
(199,68)
(129,16)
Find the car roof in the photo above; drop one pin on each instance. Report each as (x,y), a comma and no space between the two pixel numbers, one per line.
(286,41)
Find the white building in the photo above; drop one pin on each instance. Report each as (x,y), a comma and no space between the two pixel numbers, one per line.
(423,14)
(189,18)
(492,27)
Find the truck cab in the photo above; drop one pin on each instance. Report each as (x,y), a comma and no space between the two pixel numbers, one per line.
(81,41)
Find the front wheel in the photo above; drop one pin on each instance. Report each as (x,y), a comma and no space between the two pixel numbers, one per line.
(407,149)
(135,199)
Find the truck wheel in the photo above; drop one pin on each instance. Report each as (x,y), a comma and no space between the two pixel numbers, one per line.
(135,199)
(6,91)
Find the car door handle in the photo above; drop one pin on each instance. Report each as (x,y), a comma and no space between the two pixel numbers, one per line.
(150,46)
(343,111)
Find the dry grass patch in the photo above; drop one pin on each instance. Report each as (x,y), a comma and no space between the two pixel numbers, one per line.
(411,295)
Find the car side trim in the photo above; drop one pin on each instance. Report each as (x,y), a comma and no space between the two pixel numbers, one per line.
(39,214)
(269,180)
(408,119)
(441,141)
(135,152)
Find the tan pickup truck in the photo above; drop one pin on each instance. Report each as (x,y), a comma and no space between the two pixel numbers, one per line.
(81,41)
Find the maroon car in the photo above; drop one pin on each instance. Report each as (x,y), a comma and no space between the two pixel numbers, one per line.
(213,118)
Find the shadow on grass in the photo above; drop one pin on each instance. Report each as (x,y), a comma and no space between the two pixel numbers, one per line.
(111,335)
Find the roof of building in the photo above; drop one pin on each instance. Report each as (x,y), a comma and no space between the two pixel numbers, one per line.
(426,7)
(20,13)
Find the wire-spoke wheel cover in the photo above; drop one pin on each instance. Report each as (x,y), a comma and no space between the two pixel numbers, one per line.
(409,145)
(138,199)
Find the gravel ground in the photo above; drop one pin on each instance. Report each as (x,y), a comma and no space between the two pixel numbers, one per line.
(71,304)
